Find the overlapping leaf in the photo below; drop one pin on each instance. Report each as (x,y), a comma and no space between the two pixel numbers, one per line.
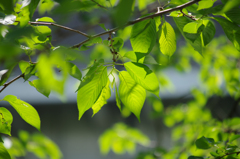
(3,152)
(90,91)
(143,36)
(131,94)
(143,76)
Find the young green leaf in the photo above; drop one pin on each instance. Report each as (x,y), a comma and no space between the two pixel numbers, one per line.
(23,65)
(3,152)
(157,22)
(37,84)
(143,36)
(25,110)
(45,6)
(45,19)
(74,71)
(89,92)
(143,76)
(232,31)
(132,95)
(203,4)
(167,40)
(102,99)
(204,143)
(5,121)
(118,102)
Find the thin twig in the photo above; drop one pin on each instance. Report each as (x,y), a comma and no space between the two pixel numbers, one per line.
(7,84)
(60,26)
(189,16)
(229,154)
(139,20)
(99,5)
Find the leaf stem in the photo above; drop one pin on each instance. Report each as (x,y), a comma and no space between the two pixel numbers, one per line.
(99,5)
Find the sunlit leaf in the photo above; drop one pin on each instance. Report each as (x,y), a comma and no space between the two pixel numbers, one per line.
(45,6)
(74,71)
(25,110)
(102,99)
(143,36)
(90,92)
(5,121)
(167,40)
(143,76)
(229,5)
(118,102)
(203,4)
(45,19)
(37,84)
(132,95)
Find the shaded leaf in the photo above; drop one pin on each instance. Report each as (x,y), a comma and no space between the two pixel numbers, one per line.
(204,143)
(25,110)
(3,152)
(123,11)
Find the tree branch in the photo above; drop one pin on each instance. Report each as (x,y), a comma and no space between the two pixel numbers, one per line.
(139,20)
(230,154)
(60,26)
(99,5)
(7,84)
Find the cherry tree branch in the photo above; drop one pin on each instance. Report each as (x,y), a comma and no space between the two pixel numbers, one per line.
(99,5)
(180,7)
(60,26)
(7,84)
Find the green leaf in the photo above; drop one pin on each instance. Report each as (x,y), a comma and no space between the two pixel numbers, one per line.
(143,36)
(45,19)
(193,27)
(102,26)
(1,140)
(3,152)
(208,31)
(123,11)
(30,70)
(117,43)
(195,157)
(102,99)
(203,4)
(131,94)
(43,30)
(167,40)
(25,110)
(204,143)
(5,121)
(118,102)
(74,71)
(197,44)
(37,84)
(234,15)
(157,22)
(8,20)
(23,65)
(143,76)
(89,92)
(231,30)
(45,6)
(30,6)
(7,6)
(229,5)
(234,137)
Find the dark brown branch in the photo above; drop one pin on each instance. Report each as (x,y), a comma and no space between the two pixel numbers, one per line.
(60,26)
(189,16)
(7,84)
(99,4)
(230,154)
(139,20)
